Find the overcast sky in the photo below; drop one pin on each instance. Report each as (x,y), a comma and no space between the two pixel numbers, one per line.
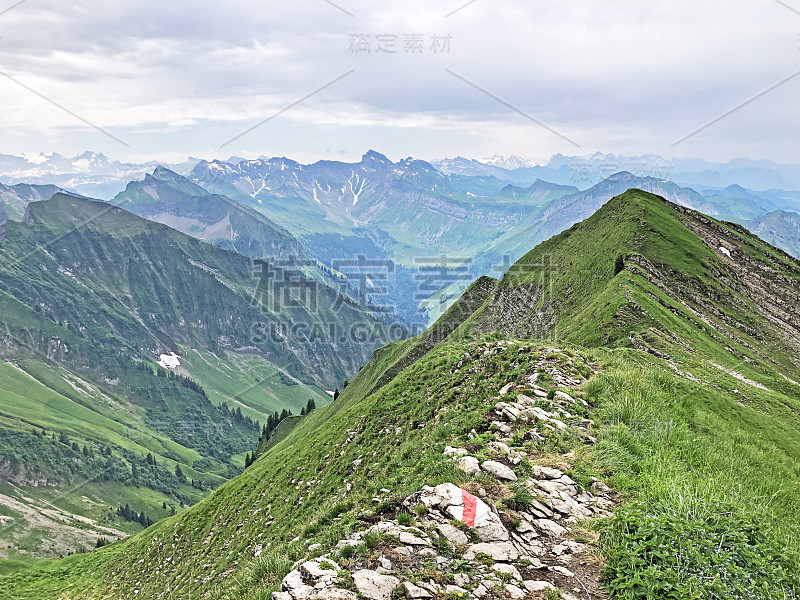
(175,78)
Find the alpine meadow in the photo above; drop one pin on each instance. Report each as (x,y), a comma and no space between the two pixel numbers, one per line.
(460,301)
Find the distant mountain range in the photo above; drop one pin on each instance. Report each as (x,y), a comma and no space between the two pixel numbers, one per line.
(585,171)
(90,174)
(437,225)
(168,198)
(95,175)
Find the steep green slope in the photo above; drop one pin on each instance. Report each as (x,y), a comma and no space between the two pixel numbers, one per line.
(14,199)
(647,273)
(701,443)
(91,296)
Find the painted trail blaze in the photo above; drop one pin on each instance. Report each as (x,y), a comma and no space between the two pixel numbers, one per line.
(470,508)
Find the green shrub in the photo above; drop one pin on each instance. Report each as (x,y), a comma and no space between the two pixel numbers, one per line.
(710,554)
(442,546)
(268,569)
(398,593)
(371,539)
(524,468)
(345,581)
(520,499)
(405,519)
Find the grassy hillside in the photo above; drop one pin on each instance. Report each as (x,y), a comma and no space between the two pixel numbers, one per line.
(90,297)
(646,272)
(700,442)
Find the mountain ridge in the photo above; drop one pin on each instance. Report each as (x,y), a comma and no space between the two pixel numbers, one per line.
(688,417)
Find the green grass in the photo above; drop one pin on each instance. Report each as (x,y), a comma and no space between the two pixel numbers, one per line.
(709,454)
(693,460)
(698,455)
(251,382)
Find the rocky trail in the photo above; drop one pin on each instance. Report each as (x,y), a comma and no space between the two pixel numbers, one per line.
(518,537)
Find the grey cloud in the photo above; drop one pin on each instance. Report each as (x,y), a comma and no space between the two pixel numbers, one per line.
(616,76)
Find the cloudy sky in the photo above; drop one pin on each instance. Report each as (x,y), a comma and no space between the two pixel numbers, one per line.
(170,79)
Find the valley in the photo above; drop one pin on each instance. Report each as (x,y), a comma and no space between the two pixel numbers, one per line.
(86,314)
(348,300)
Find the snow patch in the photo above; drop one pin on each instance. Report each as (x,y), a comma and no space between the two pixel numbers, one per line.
(314,189)
(169,361)
(725,251)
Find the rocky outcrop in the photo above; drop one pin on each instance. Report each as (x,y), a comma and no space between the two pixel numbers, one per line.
(479,541)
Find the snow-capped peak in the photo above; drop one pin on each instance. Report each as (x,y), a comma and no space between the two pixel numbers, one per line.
(510,163)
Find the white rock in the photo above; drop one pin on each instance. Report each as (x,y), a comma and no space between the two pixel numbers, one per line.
(506,568)
(412,540)
(338,594)
(562,571)
(566,480)
(506,388)
(454,535)
(547,472)
(538,413)
(555,488)
(514,592)
(525,527)
(468,464)
(374,586)
(549,527)
(538,586)
(499,470)
(294,584)
(450,451)
(564,397)
(509,412)
(568,506)
(454,589)
(498,551)
(414,591)
(480,591)
(499,448)
(314,571)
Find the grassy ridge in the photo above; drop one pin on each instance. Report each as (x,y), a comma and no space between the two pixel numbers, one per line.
(671,446)
(696,418)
